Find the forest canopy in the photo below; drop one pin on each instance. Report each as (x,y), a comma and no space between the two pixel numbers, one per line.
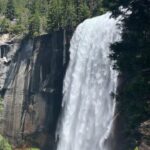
(41,16)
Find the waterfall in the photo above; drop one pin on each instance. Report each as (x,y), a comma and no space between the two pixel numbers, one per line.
(88,104)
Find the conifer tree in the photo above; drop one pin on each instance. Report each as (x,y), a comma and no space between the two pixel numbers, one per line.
(83,11)
(34,24)
(132,60)
(69,14)
(55,15)
(10,12)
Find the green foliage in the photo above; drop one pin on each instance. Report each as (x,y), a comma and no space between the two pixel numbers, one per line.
(4,145)
(2,6)
(83,12)
(55,14)
(10,10)
(4,25)
(16,29)
(66,14)
(34,25)
(40,16)
(132,61)
(69,18)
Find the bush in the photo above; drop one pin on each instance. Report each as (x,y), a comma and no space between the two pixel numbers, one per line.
(4,25)
(16,29)
(4,145)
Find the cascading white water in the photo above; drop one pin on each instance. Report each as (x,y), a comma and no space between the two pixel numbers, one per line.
(89,108)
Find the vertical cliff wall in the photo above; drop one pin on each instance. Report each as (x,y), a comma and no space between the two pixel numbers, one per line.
(31,89)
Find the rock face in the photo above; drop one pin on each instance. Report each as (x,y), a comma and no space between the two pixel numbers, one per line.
(145,132)
(31,89)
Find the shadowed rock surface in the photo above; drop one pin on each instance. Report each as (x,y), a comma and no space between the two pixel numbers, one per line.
(31,88)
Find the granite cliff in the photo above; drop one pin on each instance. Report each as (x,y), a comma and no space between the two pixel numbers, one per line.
(31,76)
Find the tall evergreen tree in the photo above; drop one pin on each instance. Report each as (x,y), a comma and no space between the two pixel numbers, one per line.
(132,57)
(55,15)
(10,12)
(34,24)
(69,21)
(83,12)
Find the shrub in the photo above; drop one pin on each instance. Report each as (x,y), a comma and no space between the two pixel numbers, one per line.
(4,145)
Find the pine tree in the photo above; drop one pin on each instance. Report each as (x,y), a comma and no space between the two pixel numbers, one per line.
(55,15)
(34,24)
(69,21)
(1,7)
(132,60)
(10,12)
(83,12)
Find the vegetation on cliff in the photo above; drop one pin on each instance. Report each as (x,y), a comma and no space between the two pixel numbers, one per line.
(41,16)
(132,56)
(4,145)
